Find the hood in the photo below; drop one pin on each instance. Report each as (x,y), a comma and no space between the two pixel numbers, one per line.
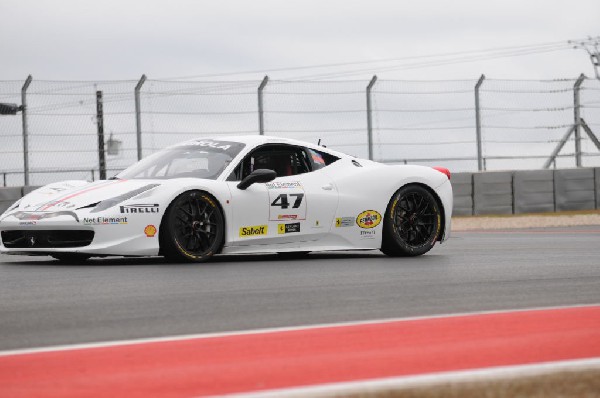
(73,195)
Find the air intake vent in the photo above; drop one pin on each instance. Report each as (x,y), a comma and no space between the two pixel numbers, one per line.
(46,239)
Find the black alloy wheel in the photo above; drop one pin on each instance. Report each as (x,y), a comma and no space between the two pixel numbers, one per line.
(193,228)
(412,222)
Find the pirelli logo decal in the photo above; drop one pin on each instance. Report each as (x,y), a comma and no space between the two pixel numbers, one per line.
(256,230)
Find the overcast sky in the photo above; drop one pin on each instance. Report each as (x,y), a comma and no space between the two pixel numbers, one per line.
(108,39)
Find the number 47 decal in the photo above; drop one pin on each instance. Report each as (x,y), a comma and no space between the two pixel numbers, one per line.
(283,202)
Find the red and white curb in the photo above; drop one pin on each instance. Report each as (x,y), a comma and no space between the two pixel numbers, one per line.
(311,359)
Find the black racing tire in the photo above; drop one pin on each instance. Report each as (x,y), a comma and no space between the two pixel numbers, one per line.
(192,229)
(71,258)
(293,255)
(412,222)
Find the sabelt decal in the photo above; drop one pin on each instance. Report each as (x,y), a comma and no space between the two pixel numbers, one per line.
(150,231)
(139,208)
(344,222)
(104,220)
(256,230)
(288,228)
(27,223)
(368,219)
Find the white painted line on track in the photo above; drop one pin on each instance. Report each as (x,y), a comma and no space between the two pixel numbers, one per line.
(117,343)
(426,380)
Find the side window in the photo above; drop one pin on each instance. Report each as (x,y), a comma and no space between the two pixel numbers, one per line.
(285,160)
(321,159)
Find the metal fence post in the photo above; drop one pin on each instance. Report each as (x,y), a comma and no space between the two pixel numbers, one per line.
(577,117)
(138,116)
(480,164)
(100,124)
(261,120)
(370,117)
(25,129)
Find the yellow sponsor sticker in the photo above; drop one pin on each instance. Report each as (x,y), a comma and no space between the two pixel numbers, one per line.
(150,231)
(368,219)
(255,230)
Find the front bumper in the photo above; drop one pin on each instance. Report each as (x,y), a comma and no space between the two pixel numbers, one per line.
(67,234)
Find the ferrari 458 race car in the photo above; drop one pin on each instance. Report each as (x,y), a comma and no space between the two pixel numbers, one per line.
(230,195)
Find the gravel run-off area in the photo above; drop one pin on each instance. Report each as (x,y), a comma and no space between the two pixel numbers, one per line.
(542,220)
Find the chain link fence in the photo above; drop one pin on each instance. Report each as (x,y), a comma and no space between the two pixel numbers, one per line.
(520,122)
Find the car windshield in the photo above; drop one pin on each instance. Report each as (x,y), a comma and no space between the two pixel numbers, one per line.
(198,159)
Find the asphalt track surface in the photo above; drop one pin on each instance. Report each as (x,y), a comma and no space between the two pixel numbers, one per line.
(44,303)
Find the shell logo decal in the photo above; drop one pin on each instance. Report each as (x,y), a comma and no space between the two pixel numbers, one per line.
(368,219)
(150,231)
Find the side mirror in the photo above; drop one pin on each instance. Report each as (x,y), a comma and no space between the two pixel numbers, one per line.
(259,175)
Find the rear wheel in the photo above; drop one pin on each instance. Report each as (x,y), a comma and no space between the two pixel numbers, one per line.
(193,228)
(412,222)
(71,258)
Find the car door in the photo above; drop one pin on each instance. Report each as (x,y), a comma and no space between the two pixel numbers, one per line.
(299,205)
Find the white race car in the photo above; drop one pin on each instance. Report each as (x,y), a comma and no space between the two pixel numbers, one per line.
(230,195)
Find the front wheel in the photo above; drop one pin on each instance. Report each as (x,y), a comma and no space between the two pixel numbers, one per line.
(193,228)
(412,222)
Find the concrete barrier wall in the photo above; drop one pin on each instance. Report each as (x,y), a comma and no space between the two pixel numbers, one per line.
(462,186)
(574,189)
(526,191)
(8,196)
(534,191)
(492,193)
(597,173)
